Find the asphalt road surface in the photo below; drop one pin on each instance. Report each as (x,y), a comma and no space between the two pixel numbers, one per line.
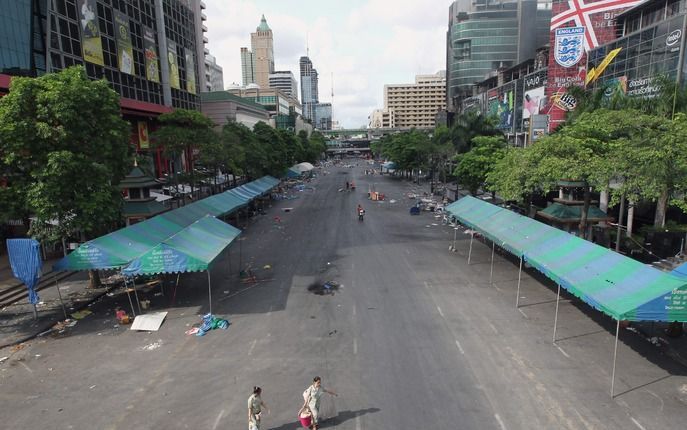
(413,338)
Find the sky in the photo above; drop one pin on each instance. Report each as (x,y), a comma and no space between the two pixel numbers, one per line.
(361,44)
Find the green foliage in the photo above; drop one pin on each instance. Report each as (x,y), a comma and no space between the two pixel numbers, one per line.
(64,147)
(469,125)
(511,176)
(475,165)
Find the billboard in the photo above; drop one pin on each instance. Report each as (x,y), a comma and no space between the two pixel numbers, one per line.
(91,45)
(151,58)
(501,105)
(576,27)
(173,65)
(534,94)
(190,71)
(125,51)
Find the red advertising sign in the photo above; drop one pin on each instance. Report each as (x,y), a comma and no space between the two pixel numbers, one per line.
(576,27)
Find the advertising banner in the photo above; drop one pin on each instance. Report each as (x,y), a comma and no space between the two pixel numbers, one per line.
(501,105)
(576,27)
(190,71)
(143,141)
(91,45)
(125,51)
(534,98)
(173,65)
(152,60)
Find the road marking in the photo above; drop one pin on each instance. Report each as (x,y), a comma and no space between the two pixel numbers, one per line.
(355,346)
(354,311)
(357,423)
(270,311)
(252,345)
(637,423)
(426,285)
(25,366)
(498,418)
(440,312)
(562,352)
(460,348)
(523,314)
(219,417)
(493,328)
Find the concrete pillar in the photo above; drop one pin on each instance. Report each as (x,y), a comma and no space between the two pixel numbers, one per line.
(630,218)
(603,201)
(162,46)
(560,193)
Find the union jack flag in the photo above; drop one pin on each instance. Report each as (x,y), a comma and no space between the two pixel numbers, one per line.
(580,11)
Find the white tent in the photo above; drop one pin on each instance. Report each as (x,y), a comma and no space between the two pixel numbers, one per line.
(302,167)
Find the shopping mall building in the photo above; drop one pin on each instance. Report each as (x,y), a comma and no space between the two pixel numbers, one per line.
(618,44)
(151,53)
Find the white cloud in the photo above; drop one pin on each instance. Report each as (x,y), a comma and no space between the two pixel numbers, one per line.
(365,46)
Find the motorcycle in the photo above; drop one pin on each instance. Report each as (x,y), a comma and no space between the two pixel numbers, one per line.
(361,214)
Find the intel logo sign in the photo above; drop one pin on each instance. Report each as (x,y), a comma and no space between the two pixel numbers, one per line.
(673,37)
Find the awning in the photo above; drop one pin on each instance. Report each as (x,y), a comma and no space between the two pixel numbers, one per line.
(119,248)
(618,286)
(192,249)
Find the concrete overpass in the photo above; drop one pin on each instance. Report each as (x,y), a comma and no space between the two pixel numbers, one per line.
(370,133)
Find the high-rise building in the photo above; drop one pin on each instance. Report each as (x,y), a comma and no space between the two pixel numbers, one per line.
(247,66)
(285,81)
(309,93)
(147,51)
(417,104)
(485,35)
(323,116)
(201,50)
(382,118)
(263,53)
(214,76)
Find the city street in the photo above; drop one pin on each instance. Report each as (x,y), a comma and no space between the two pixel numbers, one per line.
(412,338)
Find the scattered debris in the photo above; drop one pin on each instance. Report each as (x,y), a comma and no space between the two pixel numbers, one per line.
(3,359)
(81,314)
(153,346)
(149,322)
(122,317)
(194,330)
(287,209)
(267,267)
(321,289)
(91,387)
(211,322)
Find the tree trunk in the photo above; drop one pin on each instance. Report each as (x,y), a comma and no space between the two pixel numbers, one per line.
(585,209)
(661,208)
(94,279)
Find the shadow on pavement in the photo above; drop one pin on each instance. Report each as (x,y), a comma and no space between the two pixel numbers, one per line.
(342,417)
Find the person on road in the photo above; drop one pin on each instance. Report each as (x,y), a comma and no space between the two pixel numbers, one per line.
(361,212)
(312,395)
(255,405)
(347,185)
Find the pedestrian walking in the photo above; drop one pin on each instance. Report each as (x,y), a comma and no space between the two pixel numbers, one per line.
(255,406)
(312,396)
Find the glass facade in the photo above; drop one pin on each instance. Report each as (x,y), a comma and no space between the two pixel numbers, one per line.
(645,53)
(22,44)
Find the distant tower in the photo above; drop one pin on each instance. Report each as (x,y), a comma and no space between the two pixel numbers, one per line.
(247,66)
(309,94)
(263,53)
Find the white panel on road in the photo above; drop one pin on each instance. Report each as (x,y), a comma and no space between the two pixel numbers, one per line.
(150,322)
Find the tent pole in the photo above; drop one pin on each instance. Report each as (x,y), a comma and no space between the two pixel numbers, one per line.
(209,291)
(455,231)
(517,299)
(615,355)
(472,236)
(128,294)
(555,320)
(491,270)
(59,294)
(138,303)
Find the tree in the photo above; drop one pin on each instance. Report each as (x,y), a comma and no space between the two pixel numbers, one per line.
(181,131)
(469,125)
(63,148)
(234,138)
(441,149)
(512,176)
(273,146)
(474,166)
(316,146)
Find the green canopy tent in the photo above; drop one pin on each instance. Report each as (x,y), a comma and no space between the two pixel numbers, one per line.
(192,249)
(618,286)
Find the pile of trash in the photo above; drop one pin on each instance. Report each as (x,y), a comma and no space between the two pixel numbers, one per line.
(210,322)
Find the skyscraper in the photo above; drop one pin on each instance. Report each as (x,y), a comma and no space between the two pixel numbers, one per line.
(309,94)
(485,35)
(247,66)
(263,53)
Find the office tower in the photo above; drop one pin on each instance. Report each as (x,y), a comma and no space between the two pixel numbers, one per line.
(263,53)
(247,66)
(309,93)
(201,41)
(323,116)
(416,104)
(486,35)
(285,81)
(214,76)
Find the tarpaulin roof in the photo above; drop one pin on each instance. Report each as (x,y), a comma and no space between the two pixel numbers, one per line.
(119,248)
(616,285)
(192,249)
(302,167)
